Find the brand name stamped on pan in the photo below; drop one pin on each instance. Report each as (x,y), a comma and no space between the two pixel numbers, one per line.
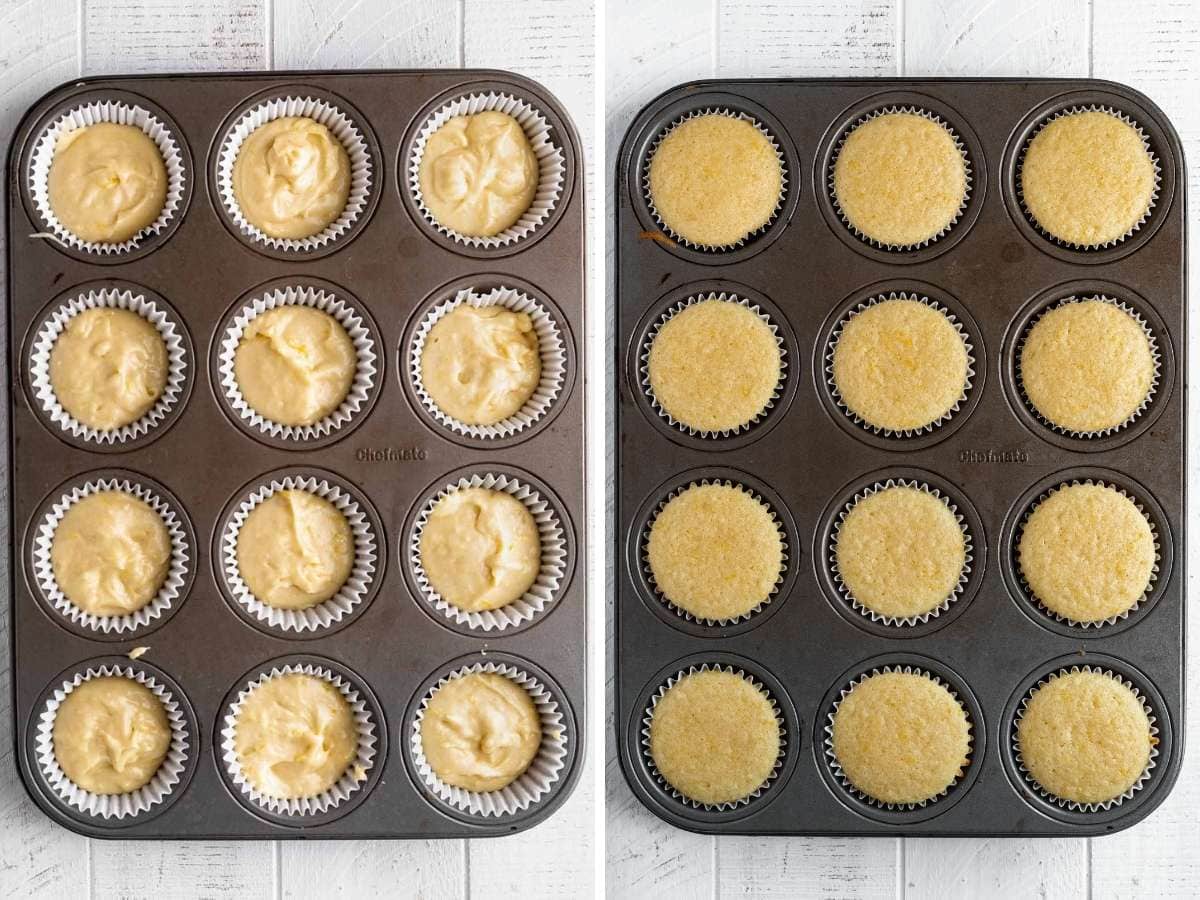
(390,454)
(993,456)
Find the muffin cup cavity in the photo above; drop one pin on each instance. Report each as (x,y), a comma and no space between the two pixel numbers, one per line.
(531,786)
(349,132)
(784,186)
(661,322)
(134,803)
(648,759)
(888,433)
(359,586)
(1072,110)
(1151,338)
(117,113)
(1071,805)
(550,157)
(366,369)
(964,576)
(345,788)
(551,352)
(545,591)
(894,110)
(179,363)
(179,572)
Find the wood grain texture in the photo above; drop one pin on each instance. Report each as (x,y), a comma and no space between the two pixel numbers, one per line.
(124,36)
(994,867)
(177,870)
(806,867)
(423,870)
(366,34)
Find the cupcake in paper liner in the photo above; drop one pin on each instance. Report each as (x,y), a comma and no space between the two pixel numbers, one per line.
(270,391)
(268,732)
(494,764)
(713,365)
(111,555)
(898,738)
(78,346)
(79,157)
(508,348)
(714,552)
(1085,739)
(480,524)
(526,170)
(900,552)
(319,153)
(714,214)
(1088,367)
(919,385)
(146,751)
(713,737)
(1087,178)
(879,195)
(299,553)
(1087,554)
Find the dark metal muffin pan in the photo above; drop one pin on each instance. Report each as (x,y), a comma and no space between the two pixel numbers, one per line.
(993,456)
(391,453)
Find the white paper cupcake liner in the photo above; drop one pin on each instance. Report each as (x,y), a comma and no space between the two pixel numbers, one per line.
(114,806)
(1058,617)
(365,368)
(660,323)
(1071,110)
(894,110)
(551,352)
(357,585)
(836,336)
(348,133)
(91,114)
(1154,380)
(784,185)
(108,298)
(551,162)
(844,779)
(344,787)
(963,576)
(177,571)
(648,573)
(660,779)
(529,787)
(544,591)
(1074,806)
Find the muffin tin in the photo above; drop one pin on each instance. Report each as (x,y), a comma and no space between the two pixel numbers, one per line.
(201,459)
(991,458)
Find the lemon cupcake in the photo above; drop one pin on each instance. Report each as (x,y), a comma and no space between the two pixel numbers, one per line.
(715,179)
(901,178)
(1087,553)
(1088,366)
(1088,178)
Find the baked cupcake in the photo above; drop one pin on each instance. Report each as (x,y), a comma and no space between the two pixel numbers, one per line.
(1084,737)
(291,178)
(900,365)
(900,179)
(110,553)
(900,552)
(901,738)
(1088,178)
(715,366)
(715,179)
(294,365)
(715,737)
(107,182)
(1088,366)
(108,367)
(1087,553)
(716,552)
(480,731)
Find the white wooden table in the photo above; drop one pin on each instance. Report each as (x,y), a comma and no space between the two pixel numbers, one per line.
(1154,46)
(45,42)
